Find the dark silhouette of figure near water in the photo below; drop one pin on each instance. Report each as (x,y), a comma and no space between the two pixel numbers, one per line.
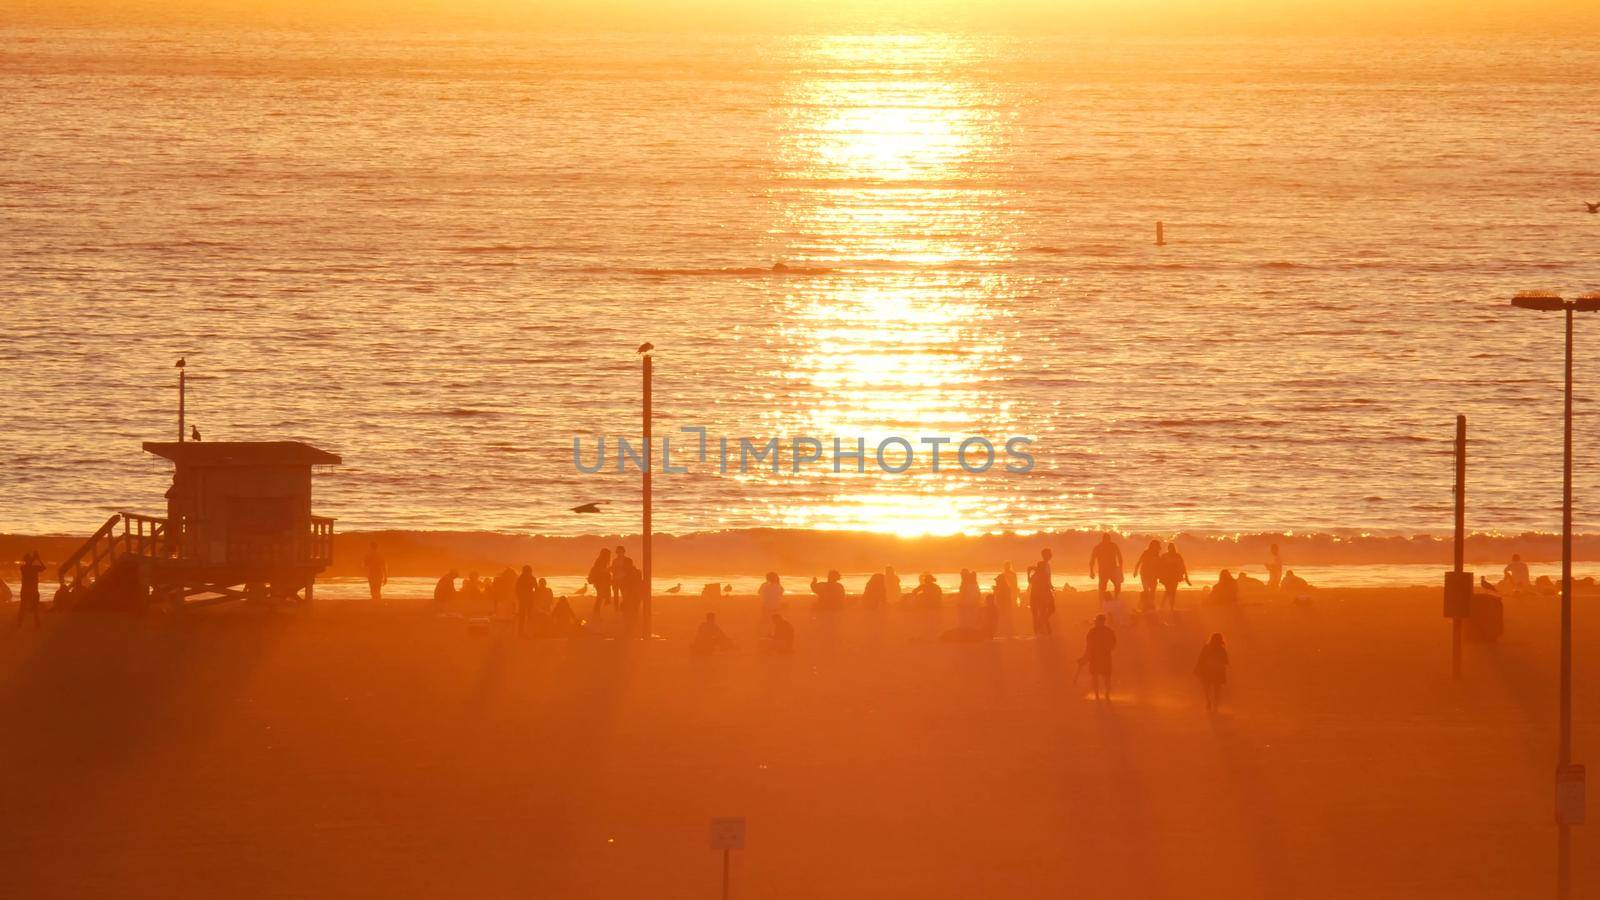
(891,586)
(710,638)
(444,592)
(872,596)
(1212,670)
(1005,588)
(527,588)
(600,577)
(377,572)
(30,568)
(563,620)
(627,587)
(1148,571)
(928,593)
(977,617)
(782,638)
(830,593)
(1516,573)
(1274,569)
(1041,593)
(1226,593)
(1105,563)
(1173,570)
(1097,647)
(471,593)
(1293,584)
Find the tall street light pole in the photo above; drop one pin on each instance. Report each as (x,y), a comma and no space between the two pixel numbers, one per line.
(649,369)
(1568,813)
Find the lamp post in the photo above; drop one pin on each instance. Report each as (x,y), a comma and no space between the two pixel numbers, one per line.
(649,370)
(182,390)
(1566,815)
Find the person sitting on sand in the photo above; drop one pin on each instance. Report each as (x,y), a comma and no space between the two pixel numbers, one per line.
(1226,593)
(1173,570)
(771,595)
(471,593)
(830,593)
(1516,572)
(1041,593)
(444,593)
(782,638)
(563,621)
(891,586)
(1097,647)
(1293,584)
(710,638)
(980,625)
(1248,584)
(1274,569)
(1148,570)
(928,593)
(544,599)
(872,596)
(1212,670)
(1105,563)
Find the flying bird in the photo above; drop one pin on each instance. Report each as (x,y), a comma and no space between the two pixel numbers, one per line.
(1592,207)
(646,347)
(588,507)
(194,433)
(674,589)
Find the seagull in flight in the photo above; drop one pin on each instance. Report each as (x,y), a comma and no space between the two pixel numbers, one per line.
(588,507)
(1592,207)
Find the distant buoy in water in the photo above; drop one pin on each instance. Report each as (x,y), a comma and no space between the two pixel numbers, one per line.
(1161,235)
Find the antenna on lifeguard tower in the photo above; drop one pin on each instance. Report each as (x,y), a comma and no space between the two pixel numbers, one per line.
(181,390)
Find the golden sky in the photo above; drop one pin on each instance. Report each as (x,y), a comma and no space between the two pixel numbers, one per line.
(1179,16)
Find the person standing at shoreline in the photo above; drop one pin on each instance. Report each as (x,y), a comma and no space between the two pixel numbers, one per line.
(526,588)
(1274,568)
(1173,570)
(600,577)
(30,568)
(891,586)
(1041,593)
(377,572)
(1105,563)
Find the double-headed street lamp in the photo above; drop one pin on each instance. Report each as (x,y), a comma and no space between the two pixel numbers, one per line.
(1569,784)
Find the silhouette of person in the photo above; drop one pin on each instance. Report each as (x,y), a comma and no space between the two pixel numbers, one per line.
(928,592)
(600,577)
(377,571)
(1226,593)
(782,638)
(710,638)
(1005,588)
(969,601)
(1097,647)
(830,593)
(1516,572)
(543,598)
(771,594)
(1041,593)
(471,592)
(1212,670)
(30,568)
(891,586)
(627,588)
(1294,584)
(563,620)
(1106,560)
(444,592)
(527,587)
(1274,569)
(1148,570)
(872,596)
(1173,570)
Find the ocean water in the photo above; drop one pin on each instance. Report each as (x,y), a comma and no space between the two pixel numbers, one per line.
(435,255)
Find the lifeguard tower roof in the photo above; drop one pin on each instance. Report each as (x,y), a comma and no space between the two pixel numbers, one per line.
(242,453)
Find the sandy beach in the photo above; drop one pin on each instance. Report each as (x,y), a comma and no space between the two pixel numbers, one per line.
(377,751)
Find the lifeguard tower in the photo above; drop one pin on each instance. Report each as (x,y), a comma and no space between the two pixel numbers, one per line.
(238,526)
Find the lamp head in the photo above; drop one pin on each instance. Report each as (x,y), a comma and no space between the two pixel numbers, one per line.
(1539,300)
(1587,303)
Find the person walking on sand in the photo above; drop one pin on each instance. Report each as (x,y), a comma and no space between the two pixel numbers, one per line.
(1097,647)
(30,568)
(527,590)
(1105,562)
(1041,593)
(600,577)
(1274,568)
(1173,570)
(1212,670)
(377,572)
(1148,570)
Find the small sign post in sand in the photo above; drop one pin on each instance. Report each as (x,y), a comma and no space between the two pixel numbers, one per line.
(727,835)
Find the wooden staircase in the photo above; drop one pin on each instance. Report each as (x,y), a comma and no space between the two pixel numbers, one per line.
(106,571)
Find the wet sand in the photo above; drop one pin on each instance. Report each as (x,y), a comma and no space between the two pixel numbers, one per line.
(367,751)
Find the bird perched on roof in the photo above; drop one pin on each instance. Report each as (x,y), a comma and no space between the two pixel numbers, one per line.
(588,507)
(646,347)
(1592,207)
(194,432)
(675,588)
